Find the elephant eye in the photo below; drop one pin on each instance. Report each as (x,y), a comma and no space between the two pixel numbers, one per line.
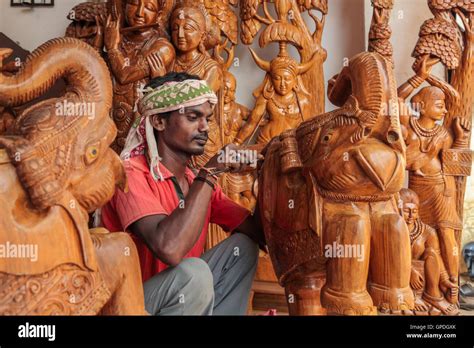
(92,153)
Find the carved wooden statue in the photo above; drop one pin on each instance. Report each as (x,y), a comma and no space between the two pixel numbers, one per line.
(434,291)
(238,187)
(332,183)
(431,159)
(140,53)
(461,66)
(380,31)
(291,27)
(49,170)
(438,156)
(282,97)
(87,19)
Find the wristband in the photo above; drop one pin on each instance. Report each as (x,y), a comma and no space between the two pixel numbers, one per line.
(207,181)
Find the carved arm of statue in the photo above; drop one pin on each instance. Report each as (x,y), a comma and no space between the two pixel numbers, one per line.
(214,78)
(150,65)
(253,122)
(422,74)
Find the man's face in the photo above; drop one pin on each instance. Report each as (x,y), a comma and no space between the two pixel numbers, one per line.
(141,12)
(410,213)
(186,130)
(435,109)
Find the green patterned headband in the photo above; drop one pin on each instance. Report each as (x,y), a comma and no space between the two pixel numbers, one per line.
(173,96)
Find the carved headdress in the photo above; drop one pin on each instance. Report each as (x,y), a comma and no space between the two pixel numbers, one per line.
(282,62)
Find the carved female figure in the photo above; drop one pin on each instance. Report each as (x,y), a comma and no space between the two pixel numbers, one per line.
(192,31)
(430,147)
(433,280)
(282,97)
(141,53)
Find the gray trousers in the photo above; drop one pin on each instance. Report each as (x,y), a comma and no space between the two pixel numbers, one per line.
(218,283)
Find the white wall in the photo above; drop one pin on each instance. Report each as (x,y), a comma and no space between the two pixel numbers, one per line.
(407,17)
(30,27)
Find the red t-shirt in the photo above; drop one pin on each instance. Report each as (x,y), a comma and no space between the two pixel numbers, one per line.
(147,197)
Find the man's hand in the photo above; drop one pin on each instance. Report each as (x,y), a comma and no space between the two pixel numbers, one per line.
(234,159)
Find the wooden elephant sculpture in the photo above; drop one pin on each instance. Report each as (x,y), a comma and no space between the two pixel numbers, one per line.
(56,167)
(329,200)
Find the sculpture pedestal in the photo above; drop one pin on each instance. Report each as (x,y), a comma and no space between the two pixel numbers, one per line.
(304,294)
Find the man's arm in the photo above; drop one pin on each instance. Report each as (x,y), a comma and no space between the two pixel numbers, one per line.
(253,229)
(171,237)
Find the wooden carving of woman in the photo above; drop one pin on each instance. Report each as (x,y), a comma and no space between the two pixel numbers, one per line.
(140,54)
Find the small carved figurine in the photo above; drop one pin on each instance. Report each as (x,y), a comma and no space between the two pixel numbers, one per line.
(430,282)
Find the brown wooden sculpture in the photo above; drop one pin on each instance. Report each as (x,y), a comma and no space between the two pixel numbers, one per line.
(290,27)
(55,168)
(452,42)
(380,31)
(141,52)
(237,186)
(438,156)
(432,159)
(331,184)
(87,19)
(282,97)
(434,292)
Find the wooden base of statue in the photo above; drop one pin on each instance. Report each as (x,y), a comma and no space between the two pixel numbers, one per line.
(304,294)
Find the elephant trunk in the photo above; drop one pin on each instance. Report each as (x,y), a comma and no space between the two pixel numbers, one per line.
(69,58)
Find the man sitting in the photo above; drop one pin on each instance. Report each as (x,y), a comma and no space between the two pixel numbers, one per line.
(168,208)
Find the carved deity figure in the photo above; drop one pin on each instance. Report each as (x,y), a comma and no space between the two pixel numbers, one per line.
(332,184)
(142,52)
(237,186)
(290,27)
(434,157)
(235,114)
(430,282)
(49,168)
(282,97)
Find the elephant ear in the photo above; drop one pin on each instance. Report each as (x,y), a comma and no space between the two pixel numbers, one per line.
(34,173)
